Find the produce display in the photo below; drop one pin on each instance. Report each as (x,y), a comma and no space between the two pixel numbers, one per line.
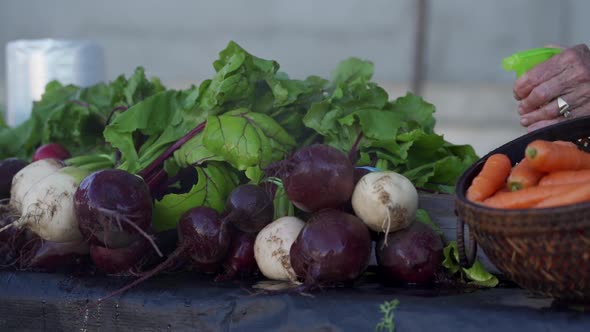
(550,174)
(250,174)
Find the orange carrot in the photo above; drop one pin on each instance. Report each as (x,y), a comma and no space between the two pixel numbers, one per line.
(549,157)
(528,197)
(565,177)
(523,176)
(491,178)
(565,143)
(577,195)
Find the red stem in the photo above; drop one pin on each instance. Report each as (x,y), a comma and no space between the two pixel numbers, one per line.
(354,149)
(151,167)
(161,267)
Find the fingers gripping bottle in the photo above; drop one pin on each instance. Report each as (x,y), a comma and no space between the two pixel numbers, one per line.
(523,61)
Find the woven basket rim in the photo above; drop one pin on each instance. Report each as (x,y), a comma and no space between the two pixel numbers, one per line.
(566,130)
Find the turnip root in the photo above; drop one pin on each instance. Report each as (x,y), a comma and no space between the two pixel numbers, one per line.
(29,176)
(385,201)
(47,205)
(272,247)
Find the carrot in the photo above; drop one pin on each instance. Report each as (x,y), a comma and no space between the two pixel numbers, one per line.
(523,176)
(565,177)
(549,157)
(565,143)
(491,178)
(527,197)
(577,195)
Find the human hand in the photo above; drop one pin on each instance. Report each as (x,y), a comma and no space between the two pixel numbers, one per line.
(565,75)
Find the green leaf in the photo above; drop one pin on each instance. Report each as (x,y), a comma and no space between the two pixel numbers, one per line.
(165,117)
(215,182)
(255,174)
(375,124)
(451,258)
(414,108)
(282,205)
(352,69)
(139,87)
(246,139)
(73,116)
(194,152)
(479,276)
(476,274)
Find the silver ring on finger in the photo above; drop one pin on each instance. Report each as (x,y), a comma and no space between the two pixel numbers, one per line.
(563,108)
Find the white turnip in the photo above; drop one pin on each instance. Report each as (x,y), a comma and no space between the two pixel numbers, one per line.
(272,246)
(385,201)
(29,176)
(46,206)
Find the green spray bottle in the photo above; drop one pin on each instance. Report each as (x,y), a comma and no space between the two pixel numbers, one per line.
(523,61)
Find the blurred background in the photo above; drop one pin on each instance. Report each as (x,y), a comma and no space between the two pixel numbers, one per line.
(448,51)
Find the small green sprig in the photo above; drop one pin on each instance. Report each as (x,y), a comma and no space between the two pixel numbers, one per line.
(387,322)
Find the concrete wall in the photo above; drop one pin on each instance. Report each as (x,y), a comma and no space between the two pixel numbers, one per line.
(179,39)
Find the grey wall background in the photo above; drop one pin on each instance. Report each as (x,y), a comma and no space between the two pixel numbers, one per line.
(179,39)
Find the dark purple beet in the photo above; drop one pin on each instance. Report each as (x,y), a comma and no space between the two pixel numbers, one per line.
(117,260)
(318,177)
(411,255)
(239,261)
(58,256)
(8,168)
(204,235)
(333,247)
(249,208)
(113,208)
(201,235)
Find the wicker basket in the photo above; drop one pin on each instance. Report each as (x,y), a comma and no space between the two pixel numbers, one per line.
(546,251)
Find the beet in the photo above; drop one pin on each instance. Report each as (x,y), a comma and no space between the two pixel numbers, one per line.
(57,256)
(202,235)
(117,260)
(8,168)
(318,177)
(334,247)
(51,151)
(113,208)
(412,255)
(249,208)
(239,261)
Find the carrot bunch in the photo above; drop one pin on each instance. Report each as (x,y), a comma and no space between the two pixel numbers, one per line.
(551,173)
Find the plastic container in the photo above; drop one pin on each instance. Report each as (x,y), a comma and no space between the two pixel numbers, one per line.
(31,64)
(523,61)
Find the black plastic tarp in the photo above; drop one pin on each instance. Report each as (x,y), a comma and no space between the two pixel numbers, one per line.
(183,302)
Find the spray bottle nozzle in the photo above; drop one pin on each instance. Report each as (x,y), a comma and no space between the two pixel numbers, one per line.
(523,61)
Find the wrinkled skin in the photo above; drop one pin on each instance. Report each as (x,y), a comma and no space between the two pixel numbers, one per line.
(250,208)
(106,204)
(318,177)
(565,75)
(412,255)
(204,235)
(333,248)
